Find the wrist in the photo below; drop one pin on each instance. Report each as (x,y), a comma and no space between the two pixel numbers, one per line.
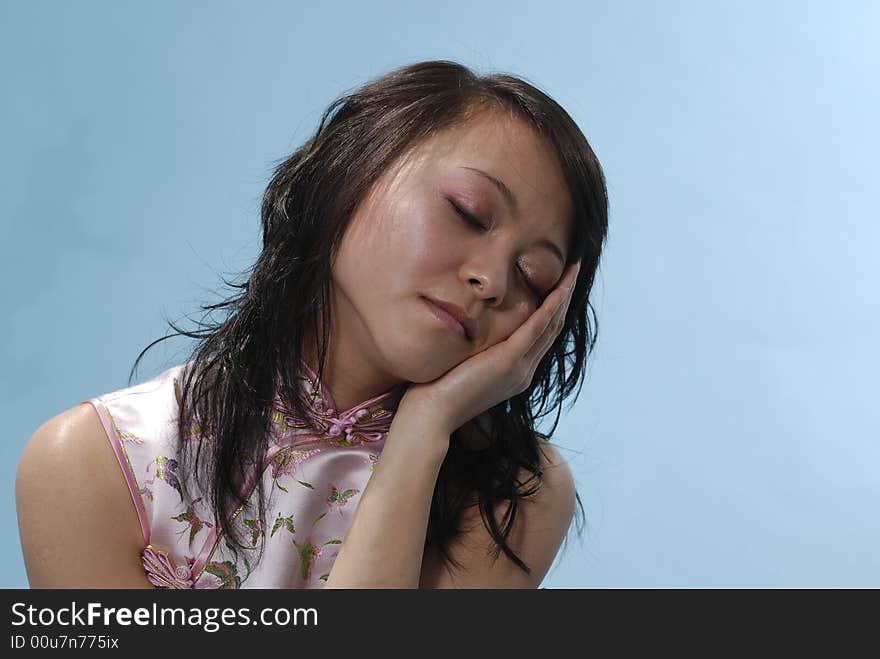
(421,406)
(419,435)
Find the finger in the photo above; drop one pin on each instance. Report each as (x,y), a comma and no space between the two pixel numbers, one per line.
(523,340)
(550,331)
(554,324)
(555,313)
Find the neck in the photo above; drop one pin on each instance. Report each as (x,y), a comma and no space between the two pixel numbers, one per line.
(348,375)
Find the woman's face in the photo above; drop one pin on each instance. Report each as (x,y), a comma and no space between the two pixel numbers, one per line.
(406,241)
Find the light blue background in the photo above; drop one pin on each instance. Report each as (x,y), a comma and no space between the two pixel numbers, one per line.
(728,432)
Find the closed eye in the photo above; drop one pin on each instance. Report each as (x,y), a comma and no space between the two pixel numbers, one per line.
(470,219)
(474,222)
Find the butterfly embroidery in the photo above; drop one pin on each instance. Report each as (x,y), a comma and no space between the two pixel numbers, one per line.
(338,498)
(191,518)
(308,555)
(286,522)
(225,573)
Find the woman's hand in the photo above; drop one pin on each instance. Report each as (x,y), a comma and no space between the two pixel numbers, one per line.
(496,374)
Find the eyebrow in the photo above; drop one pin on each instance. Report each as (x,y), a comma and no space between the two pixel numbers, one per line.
(511,201)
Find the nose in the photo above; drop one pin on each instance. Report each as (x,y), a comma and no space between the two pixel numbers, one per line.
(488,277)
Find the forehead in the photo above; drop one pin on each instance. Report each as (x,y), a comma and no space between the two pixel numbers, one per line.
(509,149)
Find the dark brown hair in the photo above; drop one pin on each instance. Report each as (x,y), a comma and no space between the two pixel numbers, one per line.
(250,354)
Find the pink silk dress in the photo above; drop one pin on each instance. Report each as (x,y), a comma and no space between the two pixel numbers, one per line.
(313,474)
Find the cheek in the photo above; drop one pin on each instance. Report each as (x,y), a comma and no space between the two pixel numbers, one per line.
(506,323)
(428,241)
(373,247)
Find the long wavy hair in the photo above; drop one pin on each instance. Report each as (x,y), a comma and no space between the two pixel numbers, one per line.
(253,351)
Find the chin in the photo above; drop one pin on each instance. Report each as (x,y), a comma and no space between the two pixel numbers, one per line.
(420,370)
(418,357)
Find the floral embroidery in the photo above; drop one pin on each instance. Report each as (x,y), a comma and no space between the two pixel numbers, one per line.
(284,422)
(368,422)
(355,428)
(166,470)
(149,444)
(193,432)
(162,572)
(130,437)
(196,432)
(226,573)
(286,463)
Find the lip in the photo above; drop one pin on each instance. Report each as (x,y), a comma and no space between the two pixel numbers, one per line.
(453,316)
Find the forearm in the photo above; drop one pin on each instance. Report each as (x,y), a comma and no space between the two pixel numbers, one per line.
(385,540)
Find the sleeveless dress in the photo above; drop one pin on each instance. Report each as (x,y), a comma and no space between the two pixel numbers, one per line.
(314,472)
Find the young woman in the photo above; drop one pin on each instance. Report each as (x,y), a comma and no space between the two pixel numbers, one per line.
(427,261)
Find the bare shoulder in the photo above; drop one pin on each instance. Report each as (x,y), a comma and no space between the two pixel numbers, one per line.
(548,512)
(77,523)
(557,488)
(541,524)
